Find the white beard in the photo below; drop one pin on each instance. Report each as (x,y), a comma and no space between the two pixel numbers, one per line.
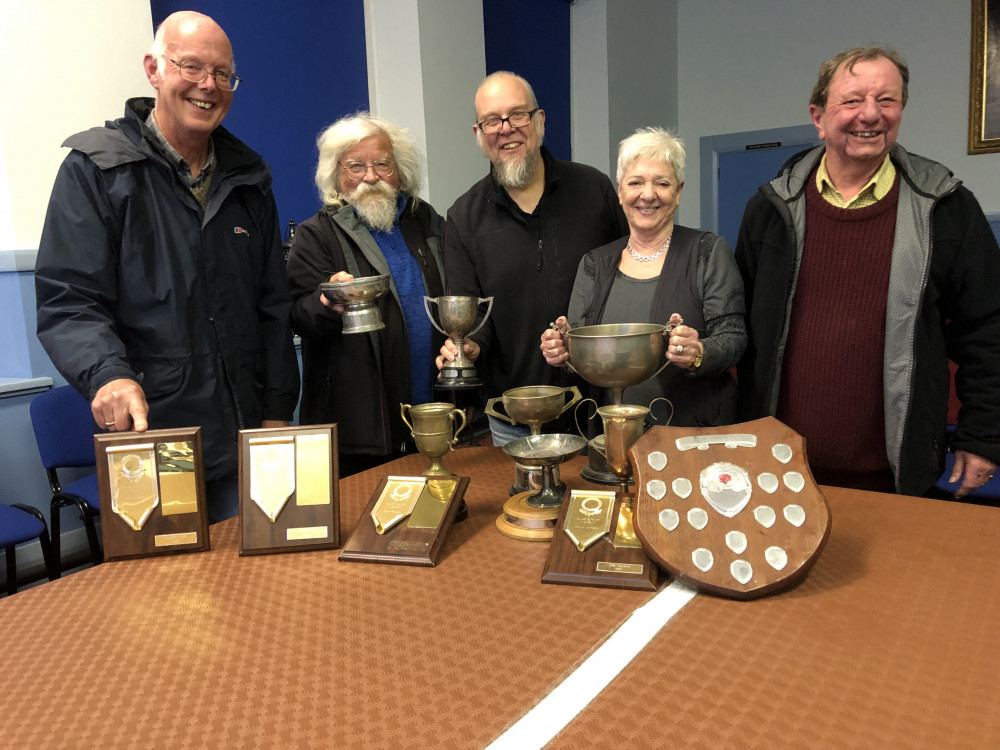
(518,174)
(375,204)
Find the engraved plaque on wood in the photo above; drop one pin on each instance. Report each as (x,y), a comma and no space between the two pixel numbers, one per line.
(730,510)
(289,489)
(152,493)
(406,521)
(594,545)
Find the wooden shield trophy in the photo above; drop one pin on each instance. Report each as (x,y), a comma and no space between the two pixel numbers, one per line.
(730,510)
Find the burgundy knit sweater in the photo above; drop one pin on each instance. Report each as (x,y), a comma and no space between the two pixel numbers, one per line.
(831,379)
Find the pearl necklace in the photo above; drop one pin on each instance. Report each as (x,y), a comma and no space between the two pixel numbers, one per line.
(646,258)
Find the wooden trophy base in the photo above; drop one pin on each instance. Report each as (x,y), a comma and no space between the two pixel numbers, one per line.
(602,564)
(411,533)
(522,521)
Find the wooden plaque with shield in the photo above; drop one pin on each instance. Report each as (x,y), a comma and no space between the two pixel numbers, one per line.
(152,491)
(595,544)
(730,510)
(406,521)
(289,489)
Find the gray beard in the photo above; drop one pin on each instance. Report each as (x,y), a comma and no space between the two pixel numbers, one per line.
(516,175)
(375,204)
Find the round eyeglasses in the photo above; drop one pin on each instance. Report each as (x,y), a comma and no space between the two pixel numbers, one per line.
(358,169)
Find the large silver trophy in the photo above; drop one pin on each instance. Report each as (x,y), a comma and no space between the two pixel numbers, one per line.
(458,320)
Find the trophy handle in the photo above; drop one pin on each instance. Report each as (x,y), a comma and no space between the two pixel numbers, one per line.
(427,301)
(482,322)
(576,418)
(402,412)
(491,411)
(461,413)
(666,401)
(576,397)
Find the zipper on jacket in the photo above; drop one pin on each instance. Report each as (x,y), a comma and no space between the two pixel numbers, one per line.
(539,266)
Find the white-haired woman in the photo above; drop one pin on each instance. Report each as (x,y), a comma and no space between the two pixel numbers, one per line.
(663,272)
(371,223)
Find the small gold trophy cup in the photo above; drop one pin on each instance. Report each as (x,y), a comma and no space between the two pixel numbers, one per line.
(433,431)
(458,320)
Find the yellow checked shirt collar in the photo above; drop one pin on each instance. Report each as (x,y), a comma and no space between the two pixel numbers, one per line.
(876,189)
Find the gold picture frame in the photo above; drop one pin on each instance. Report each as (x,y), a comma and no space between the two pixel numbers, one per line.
(984,78)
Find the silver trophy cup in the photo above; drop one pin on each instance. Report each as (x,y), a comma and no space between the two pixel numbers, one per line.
(458,320)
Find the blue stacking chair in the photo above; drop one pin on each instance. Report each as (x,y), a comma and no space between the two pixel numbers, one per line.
(19,524)
(64,431)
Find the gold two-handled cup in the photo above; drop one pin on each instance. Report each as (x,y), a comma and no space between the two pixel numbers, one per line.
(433,430)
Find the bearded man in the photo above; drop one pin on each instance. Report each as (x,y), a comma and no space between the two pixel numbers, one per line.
(372,223)
(518,235)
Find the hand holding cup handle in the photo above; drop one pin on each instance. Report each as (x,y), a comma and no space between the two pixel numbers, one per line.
(553,342)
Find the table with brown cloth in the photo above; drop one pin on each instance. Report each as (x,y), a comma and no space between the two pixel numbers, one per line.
(889,642)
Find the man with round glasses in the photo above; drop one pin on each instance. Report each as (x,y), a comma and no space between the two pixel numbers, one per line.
(518,235)
(160,283)
(372,223)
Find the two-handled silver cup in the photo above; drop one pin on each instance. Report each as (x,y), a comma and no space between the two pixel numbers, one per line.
(458,320)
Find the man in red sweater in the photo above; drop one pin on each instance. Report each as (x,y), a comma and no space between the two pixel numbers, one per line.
(866,268)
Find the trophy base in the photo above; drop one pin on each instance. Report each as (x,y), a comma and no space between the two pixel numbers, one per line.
(457,378)
(601,564)
(529,479)
(457,384)
(597,470)
(526,522)
(362,320)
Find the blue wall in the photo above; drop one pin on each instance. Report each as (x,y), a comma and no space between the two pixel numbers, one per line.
(303,65)
(531,38)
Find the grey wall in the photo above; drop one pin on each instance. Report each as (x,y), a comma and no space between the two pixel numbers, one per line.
(751,65)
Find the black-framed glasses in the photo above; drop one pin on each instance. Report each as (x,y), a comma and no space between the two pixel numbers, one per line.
(199,74)
(358,169)
(516,120)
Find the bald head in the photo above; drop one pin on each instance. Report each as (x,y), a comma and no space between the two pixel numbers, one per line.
(188,24)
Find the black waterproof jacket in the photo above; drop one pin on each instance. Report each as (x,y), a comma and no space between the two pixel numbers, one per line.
(358,380)
(135,280)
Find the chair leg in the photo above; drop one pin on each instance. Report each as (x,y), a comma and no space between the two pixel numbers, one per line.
(96,553)
(46,544)
(55,510)
(11,571)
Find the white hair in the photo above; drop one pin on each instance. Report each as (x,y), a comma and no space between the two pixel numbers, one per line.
(345,134)
(652,143)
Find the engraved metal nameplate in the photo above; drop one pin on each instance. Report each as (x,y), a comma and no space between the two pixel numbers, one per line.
(702,442)
(312,469)
(134,490)
(396,501)
(612,567)
(170,540)
(272,473)
(588,516)
(307,532)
